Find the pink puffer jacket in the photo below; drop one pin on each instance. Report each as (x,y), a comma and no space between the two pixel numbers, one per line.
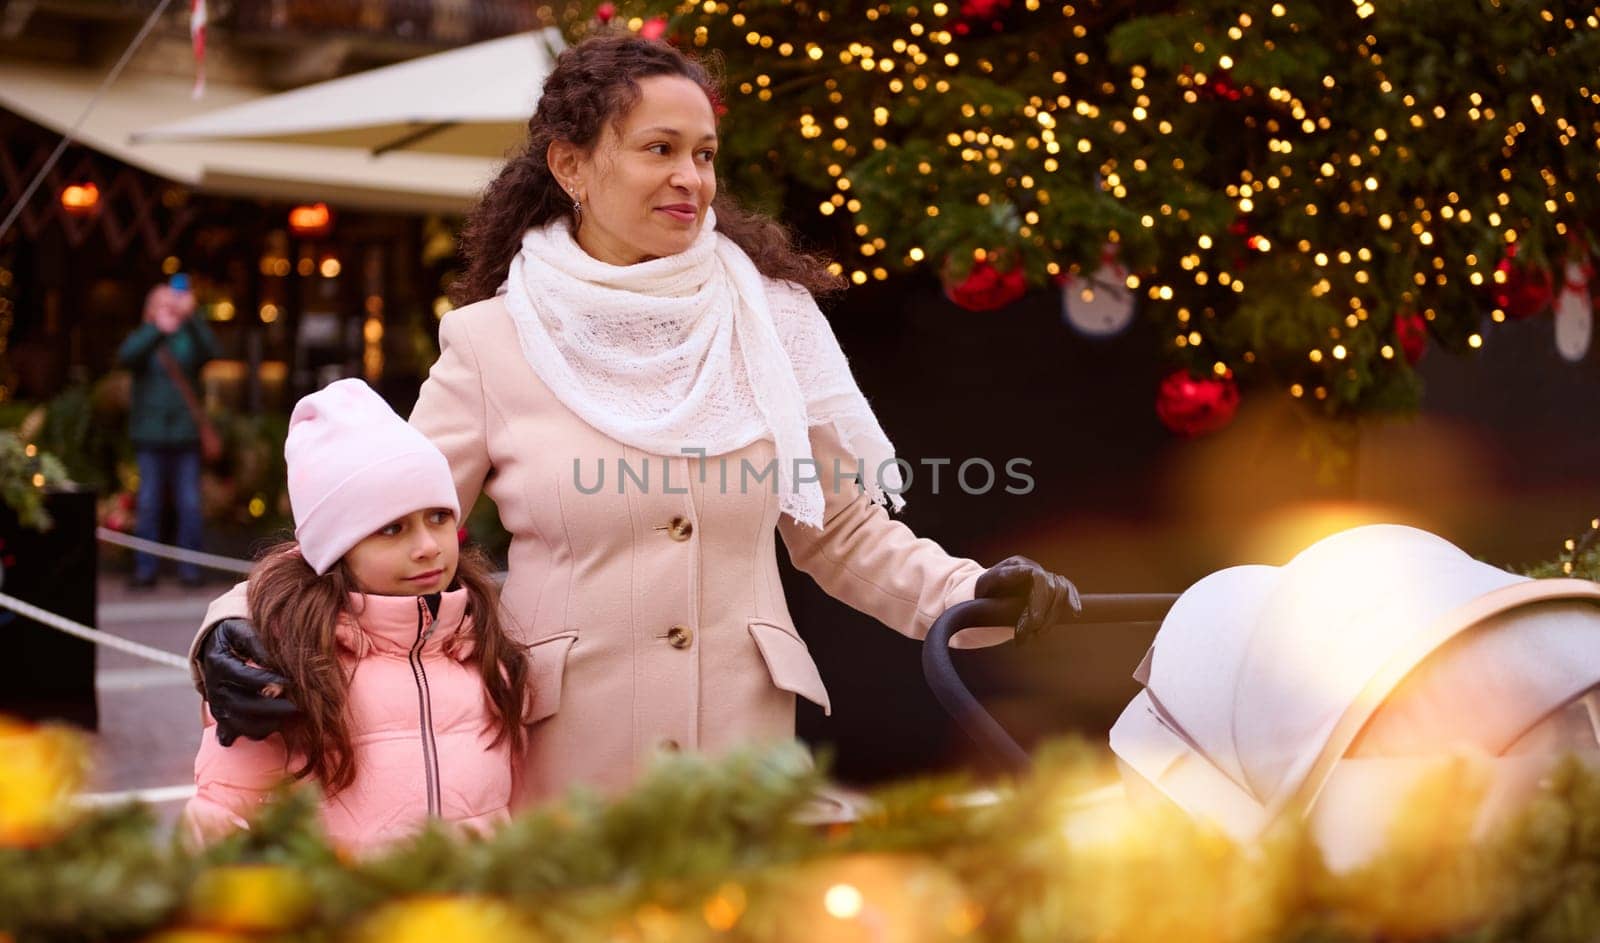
(420,724)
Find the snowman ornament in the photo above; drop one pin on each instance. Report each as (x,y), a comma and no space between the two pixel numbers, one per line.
(1574,314)
(1101,304)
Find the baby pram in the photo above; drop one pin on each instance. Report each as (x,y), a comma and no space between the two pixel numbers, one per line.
(1334,683)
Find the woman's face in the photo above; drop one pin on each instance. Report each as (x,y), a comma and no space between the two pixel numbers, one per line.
(646,187)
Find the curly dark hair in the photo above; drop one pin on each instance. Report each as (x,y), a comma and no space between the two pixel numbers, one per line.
(594,83)
(297,614)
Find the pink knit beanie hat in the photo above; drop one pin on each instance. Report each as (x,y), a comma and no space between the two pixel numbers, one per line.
(354,466)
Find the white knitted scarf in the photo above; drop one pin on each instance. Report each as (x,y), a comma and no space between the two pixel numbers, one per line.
(695,351)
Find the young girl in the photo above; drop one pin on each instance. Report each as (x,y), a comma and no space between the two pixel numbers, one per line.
(411,696)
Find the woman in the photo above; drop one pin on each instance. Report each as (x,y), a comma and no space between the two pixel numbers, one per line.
(618,317)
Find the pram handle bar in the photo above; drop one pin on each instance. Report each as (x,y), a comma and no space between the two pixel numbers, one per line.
(957,699)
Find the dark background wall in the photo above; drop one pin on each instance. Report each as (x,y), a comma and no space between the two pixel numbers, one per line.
(1504,460)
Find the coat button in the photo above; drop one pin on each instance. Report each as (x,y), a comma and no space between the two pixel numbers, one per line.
(680,636)
(679,528)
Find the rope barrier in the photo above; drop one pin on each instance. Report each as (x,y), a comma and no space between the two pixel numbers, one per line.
(209,560)
(159,656)
(154,795)
(45,617)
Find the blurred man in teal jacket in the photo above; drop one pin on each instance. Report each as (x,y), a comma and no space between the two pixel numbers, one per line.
(162,426)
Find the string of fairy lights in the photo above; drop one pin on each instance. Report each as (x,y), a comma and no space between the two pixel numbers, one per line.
(1573,549)
(1232,174)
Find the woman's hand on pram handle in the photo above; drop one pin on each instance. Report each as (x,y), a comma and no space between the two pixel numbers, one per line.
(244,697)
(1051,598)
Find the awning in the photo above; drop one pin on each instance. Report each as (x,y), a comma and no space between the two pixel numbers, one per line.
(53,97)
(472,101)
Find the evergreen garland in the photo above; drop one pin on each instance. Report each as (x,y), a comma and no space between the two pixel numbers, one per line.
(714,851)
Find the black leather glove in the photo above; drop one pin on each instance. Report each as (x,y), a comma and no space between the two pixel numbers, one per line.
(1051,597)
(240,694)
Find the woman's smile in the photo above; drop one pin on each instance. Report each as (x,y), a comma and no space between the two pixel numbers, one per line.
(682,212)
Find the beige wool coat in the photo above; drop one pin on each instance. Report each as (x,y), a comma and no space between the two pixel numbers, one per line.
(653,611)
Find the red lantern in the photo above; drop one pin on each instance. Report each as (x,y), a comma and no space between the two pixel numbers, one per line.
(1521,291)
(1195,406)
(1411,333)
(80,199)
(986,287)
(311,221)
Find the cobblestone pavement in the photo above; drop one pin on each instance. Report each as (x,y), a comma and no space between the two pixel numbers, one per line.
(149,713)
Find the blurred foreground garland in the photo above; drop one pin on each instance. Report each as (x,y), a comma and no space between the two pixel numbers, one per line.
(704,852)
(1304,195)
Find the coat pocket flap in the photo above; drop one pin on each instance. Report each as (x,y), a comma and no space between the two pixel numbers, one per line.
(547,661)
(789,662)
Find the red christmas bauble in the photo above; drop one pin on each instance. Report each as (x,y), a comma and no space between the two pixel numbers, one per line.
(986,287)
(1411,333)
(1525,291)
(605,12)
(653,29)
(983,9)
(1194,406)
(980,15)
(1222,87)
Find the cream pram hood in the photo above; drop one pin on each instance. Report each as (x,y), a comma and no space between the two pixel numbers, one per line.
(1261,678)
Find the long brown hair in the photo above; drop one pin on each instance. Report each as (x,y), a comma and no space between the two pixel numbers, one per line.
(595,83)
(296,613)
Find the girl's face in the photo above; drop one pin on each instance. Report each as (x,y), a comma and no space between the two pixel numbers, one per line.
(646,187)
(411,556)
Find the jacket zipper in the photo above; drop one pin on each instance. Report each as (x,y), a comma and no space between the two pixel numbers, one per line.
(430,748)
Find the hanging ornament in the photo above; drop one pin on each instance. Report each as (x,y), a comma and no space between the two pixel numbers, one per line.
(978,16)
(1221,86)
(987,287)
(1521,291)
(605,12)
(1099,305)
(1246,244)
(653,29)
(1575,311)
(1194,406)
(1411,333)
